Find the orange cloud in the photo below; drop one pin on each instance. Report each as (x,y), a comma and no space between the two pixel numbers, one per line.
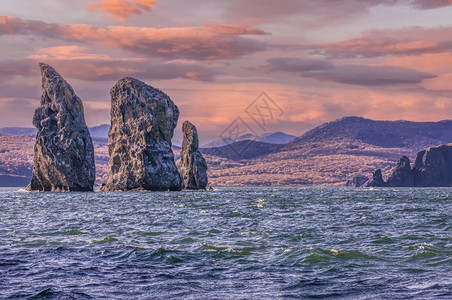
(233,29)
(74,53)
(122,9)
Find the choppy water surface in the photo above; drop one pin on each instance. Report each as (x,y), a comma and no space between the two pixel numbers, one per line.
(240,243)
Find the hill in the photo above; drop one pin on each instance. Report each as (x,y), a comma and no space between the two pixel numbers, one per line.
(387,134)
(329,154)
(326,155)
(270,138)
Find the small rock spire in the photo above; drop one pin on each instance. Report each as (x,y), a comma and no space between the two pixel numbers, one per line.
(192,165)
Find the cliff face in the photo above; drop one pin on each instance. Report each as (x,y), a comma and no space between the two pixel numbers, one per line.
(433,166)
(192,165)
(64,153)
(142,124)
(376,180)
(402,174)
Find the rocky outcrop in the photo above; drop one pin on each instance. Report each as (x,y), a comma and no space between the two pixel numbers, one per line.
(64,153)
(433,167)
(357,181)
(192,166)
(402,175)
(139,141)
(376,180)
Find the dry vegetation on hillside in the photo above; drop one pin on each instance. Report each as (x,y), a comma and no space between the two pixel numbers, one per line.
(329,163)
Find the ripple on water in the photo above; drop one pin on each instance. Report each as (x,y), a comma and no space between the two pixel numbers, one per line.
(228,243)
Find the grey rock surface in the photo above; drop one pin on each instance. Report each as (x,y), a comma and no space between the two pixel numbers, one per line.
(63,153)
(192,165)
(376,180)
(433,167)
(401,175)
(139,141)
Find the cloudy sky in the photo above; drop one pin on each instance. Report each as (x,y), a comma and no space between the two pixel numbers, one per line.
(316,60)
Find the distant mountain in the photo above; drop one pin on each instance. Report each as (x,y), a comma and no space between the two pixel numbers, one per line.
(219,143)
(270,138)
(386,134)
(100,130)
(242,150)
(329,154)
(351,132)
(276,138)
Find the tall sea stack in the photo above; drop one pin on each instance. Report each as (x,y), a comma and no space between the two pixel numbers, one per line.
(139,141)
(64,153)
(192,165)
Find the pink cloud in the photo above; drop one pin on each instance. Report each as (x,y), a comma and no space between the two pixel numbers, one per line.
(296,65)
(210,42)
(370,75)
(363,75)
(122,9)
(266,11)
(99,70)
(400,42)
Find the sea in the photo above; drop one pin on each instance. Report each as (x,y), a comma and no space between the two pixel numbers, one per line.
(228,243)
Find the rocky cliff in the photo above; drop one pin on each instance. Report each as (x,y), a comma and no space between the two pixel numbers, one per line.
(142,124)
(63,152)
(401,175)
(376,180)
(432,168)
(192,166)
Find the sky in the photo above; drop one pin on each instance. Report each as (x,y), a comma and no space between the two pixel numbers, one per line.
(252,66)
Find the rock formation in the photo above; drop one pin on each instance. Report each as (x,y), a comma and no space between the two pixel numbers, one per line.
(433,167)
(376,180)
(139,141)
(402,175)
(192,166)
(64,153)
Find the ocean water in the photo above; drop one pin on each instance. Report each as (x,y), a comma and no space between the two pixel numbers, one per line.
(230,243)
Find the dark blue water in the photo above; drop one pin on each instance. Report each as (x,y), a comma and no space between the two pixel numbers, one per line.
(231,243)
